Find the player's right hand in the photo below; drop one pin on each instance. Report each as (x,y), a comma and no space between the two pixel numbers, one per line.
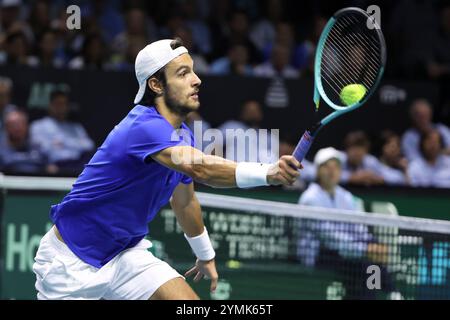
(284,171)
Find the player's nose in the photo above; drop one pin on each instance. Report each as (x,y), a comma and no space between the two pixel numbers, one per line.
(196,81)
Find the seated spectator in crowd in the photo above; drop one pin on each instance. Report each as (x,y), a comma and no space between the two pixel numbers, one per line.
(5,99)
(279,64)
(46,52)
(285,36)
(17,154)
(109,18)
(92,56)
(66,144)
(432,169)
(421,114)
(16,50)
(358,166)
(11,22)
(200,31)
(263,31)
(235,63)
(393,163)
(438,64)
(244,134)
(126,63)
(200,64)
(39,17)
(138,25)
(329,244)
(237,33)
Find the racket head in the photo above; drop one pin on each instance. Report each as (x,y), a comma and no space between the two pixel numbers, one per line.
(348,52)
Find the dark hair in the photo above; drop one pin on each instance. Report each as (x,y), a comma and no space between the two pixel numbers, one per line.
(11,37)
(58,93)
(356,139)
(425,136)
(149,96)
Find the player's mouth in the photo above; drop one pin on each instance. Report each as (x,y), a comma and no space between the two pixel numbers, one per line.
(194,95)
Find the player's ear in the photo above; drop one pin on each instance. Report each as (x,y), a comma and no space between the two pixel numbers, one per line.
(155,85)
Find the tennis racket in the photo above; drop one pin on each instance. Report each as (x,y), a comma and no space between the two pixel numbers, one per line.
(351,50)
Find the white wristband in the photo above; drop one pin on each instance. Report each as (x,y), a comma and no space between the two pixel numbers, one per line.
(202,247)
(251,174)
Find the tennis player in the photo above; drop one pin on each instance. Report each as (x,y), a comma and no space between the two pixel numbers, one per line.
(96,248)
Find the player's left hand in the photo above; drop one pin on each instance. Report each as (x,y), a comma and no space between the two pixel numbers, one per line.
(205,269)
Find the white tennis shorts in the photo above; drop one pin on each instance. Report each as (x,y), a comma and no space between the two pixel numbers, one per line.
(134,274)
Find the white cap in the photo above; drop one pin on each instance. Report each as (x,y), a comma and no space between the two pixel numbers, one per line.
(323,155)
(152,58)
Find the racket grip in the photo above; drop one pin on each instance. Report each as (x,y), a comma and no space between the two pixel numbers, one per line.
(303,146)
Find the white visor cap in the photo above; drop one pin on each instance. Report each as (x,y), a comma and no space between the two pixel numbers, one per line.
(326,154)
(151,59)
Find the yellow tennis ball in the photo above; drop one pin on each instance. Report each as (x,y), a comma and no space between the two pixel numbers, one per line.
(352,94)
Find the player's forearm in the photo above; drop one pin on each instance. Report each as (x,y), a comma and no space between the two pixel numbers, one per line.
(189,217)
(215,171)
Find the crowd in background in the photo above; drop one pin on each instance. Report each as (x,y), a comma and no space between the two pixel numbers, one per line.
(268,38)
(245,37)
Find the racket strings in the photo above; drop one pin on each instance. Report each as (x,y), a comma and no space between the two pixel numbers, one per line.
(351,55)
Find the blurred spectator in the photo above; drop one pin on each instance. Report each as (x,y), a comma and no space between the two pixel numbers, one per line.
(331,244)
(300,53)
(93,54)
(138,25)
(66,144)
(107,16)
(200,31)
(46,55)
(263,32)
(236,63)
(412,49)
(438,65)
(358,166)
(39,18)
(238,34)
(126,63)
(16,50)
(5,99)
(200,64)
(218,24)
(393,164)
(421,114)
(10,21)
(433,168)
(256,150)
(278,66)
(319,23)
(17,155)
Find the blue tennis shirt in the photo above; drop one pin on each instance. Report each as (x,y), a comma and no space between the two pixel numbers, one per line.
(121,189)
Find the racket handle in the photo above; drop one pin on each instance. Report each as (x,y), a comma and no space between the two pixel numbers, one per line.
(303,146)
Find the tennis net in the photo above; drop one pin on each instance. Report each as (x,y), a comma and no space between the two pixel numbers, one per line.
(266,249)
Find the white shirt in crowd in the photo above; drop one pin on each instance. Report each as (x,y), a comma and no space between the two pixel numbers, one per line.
(411,141)
(390,175)
(423,174)
(60,141)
